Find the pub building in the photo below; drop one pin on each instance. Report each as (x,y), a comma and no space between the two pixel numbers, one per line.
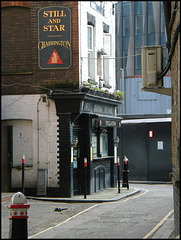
(56,48)
(87,149)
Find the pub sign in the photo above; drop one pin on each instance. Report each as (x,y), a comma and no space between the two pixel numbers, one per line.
(55,38)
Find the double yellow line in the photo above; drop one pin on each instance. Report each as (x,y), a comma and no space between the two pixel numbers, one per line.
(158,225)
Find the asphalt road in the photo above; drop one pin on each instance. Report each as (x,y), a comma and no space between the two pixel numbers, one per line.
(133,217)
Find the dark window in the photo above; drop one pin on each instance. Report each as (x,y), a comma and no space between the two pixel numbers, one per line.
(100,144)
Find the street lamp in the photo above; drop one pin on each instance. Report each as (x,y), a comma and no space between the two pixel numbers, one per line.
(116,142)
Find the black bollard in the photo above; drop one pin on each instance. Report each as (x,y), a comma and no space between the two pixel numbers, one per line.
(18,228)
(125,173)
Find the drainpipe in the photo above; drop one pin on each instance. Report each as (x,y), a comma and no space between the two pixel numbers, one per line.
(38,133)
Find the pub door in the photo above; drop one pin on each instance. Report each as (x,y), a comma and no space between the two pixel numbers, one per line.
(76,165)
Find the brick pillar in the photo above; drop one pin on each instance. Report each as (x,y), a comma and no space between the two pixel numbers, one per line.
(65,165)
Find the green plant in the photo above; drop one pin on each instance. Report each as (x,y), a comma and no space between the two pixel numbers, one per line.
(119,94)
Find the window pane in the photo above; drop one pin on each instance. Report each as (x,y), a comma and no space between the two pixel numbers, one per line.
(126,26)
(138,59)
(151,39)
(126,9)
(162,39)
(124,61)
(162,27)
(138,8)
(94,140)
(104,144)
(89,38)
(150,8)
(138,24)
(150,24)
(125,43)
(138,42)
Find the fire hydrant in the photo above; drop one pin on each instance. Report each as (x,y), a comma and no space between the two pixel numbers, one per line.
(125,172)
(18,217)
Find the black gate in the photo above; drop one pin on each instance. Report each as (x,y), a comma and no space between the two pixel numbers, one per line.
(149,155)
(99,177)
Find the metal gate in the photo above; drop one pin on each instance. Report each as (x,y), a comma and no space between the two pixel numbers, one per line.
(99,177)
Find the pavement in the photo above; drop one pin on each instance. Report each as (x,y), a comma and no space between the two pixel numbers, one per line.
(106,195)
(163,231)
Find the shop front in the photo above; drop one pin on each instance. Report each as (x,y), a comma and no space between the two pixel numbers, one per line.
(87,131)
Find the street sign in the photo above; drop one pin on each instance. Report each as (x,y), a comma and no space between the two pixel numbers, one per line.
(55,38)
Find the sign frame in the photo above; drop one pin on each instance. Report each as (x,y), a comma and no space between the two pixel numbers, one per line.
(54,38)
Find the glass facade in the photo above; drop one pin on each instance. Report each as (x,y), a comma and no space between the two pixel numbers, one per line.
(150,25)
(133,15)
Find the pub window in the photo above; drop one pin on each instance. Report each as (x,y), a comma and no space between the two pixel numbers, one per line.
(94,141)
(100,144)
(104,144)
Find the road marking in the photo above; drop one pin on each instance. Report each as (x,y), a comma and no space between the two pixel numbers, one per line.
(64,221)
(158,225)
(136,196)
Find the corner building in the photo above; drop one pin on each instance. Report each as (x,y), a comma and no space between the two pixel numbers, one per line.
(53,52)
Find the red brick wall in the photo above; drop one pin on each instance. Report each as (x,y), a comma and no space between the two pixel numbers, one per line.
(20,54)
(15,3)
(16,45)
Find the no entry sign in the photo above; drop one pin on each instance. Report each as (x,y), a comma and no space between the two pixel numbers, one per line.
(55,38)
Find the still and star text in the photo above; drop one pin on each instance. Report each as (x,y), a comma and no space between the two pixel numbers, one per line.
(54,14)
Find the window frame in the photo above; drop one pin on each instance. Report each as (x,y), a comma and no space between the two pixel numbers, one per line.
(90,41)
(98,140)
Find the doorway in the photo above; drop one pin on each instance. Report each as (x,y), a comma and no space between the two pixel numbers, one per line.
(6,157)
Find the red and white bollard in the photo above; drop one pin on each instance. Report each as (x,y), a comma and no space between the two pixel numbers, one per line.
(85,177)
(125,172)
(18,217)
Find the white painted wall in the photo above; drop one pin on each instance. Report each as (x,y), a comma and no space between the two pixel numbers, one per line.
(21,112)
(109,19)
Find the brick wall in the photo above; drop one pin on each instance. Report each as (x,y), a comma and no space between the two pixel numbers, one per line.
(20,53)
(175,69)
(16,54)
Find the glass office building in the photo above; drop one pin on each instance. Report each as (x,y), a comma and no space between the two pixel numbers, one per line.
(138,24)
